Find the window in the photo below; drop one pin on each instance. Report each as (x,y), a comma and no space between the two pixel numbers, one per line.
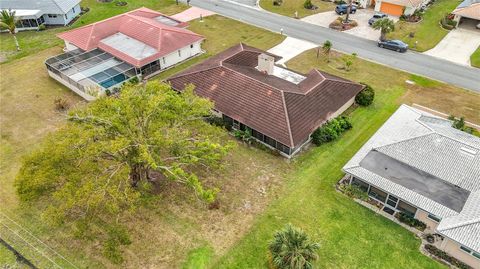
(236,125)
(362,185)
(466,249)
(378,194)
(163,60)
(52,15)
(66,17)
(191,46)
(434,218)
(270,141)
(179,53)
(406,208)
(388,210)
(392,201)
(476,255)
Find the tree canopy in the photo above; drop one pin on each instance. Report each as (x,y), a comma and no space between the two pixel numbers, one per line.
(110,152)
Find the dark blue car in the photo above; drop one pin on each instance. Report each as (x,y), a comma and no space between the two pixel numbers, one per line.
(395,45)
(342,9)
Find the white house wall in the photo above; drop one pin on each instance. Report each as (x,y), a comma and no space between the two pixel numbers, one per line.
(185,53)
(72,13)
(62,19)
(69,46)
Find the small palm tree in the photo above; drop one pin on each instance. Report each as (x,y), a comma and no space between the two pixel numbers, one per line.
(8,22)
(291,249)
(385,26)
(327,47)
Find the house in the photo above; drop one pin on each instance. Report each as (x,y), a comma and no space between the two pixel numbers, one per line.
(398,7)
(32,14)
(280,107)
(418,164)
(101,56)
(468,10)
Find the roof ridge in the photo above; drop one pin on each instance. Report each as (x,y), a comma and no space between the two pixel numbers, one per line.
(193,72)
(455,139)
(271,86)
(287,116)
(401,141)
(460,224)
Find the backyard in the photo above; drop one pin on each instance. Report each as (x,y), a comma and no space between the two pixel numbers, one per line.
(260,192)
(288,7)
(427,32)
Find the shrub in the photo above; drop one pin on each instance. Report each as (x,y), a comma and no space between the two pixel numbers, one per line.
(411,221)
(366,96)
(61,104)
(277,2)
(216,121)
(245,136)
(339,2)
(354,191)
(291,248)
(459,123)
(444,256)
(331,130)
(42,27)
(308,4)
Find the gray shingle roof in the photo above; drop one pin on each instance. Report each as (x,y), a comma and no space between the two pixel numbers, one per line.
(428,143)
(47,6)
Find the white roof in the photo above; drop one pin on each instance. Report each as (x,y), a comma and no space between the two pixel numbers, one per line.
(46,6)
(27,13)
(430,145)
(129,45)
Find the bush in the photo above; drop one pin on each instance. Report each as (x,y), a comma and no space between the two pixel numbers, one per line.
(308,4)
(61,104)
(444,256)
(331,130)
(277,2)
(411,221)
(42,27)
(366,96)
(339,2)
(459,123)
(354,191)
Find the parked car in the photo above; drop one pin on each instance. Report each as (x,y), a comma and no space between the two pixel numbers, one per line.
(376,17)
(342,9)
(396,45)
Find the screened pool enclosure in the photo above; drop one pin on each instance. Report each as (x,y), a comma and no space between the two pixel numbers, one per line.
(90,74)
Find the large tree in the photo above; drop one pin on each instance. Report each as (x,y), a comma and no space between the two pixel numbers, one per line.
(113,150)
(8,22)
(385,26)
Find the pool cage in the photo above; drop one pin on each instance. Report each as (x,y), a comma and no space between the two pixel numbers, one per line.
(91,73)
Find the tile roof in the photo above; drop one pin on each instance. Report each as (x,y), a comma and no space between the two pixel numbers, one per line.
(469,9)
(430,145)
(46,6)
(280,109)
(141,26)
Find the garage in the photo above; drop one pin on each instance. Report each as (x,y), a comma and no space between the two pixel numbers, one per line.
(391,9)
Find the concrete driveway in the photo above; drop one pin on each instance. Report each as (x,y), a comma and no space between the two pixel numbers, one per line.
(291,47)
(361,17)
(457,46)
(192,14)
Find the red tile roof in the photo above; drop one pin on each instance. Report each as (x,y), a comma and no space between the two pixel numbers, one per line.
(138,24)
(282,110)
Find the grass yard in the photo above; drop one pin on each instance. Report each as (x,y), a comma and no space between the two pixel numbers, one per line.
(475,58)
(428,32)
(32,42)
(289,7)
(351,236)
(171,232)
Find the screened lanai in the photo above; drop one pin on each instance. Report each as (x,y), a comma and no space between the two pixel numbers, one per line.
(90,72)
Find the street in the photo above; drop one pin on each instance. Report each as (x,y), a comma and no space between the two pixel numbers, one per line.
(412,62)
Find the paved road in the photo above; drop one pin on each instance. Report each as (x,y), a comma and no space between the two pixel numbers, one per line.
(412,62)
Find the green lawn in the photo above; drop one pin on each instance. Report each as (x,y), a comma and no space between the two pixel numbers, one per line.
(428,32)
(289,7)
(475,58)
(33,42)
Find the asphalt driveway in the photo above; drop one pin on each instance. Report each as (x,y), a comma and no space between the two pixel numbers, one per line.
(457,46)
(361,17)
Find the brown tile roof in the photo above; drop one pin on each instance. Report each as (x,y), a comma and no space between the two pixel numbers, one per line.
(282,110)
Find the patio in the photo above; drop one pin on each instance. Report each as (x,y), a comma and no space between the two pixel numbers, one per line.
(90,74)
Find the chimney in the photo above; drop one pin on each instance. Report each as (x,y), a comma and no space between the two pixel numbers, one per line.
(265,63)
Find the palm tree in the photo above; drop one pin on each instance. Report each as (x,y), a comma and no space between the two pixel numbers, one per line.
(349,8)
(8,22)
(385,26)
(327,46)
(291,249)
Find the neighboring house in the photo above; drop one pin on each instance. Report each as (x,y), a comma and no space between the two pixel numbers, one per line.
(418,164)
(103,55)
(33,13)
(398,7)
(281,108)
(468,9)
